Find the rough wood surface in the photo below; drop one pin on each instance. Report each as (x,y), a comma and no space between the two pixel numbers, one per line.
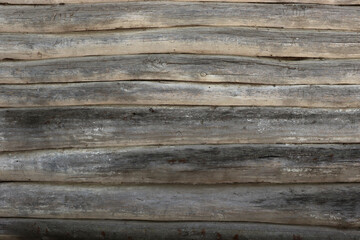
(195,40)
(42,128)
(337,2)
(186,94)
(192,164)
(182,67)
(124,230)
(107,16)
(329,205)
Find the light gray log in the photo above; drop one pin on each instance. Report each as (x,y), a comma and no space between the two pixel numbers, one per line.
(328,205)
(42,128)
(107,16)
(195,40)
(187,94)
(55,229)
(182,67)
(337,2)
(192,164)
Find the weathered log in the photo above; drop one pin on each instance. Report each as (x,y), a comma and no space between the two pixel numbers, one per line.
(192,164)
(328,205)
(182,67)
(337,2)
(42,128)
(195,40)
(164,93)
(108,16)
(53,229)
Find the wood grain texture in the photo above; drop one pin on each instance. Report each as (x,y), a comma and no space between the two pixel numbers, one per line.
(337,2)
(328,205)
(124,230)
(185,94)
(108,16)
(181,67)
(42,128)
(192,164)
(195,40)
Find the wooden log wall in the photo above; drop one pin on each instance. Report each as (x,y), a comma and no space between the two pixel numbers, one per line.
(191,119)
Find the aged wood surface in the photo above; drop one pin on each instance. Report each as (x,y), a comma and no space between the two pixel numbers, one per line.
(328,205)
(182,67)
(195,40)
(107,16)
(41,128)
(337,2)
(192,164)
(124,230)
(178,93)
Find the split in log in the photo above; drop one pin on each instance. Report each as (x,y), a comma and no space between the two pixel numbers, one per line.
(192,164)
(43,128)
(194,40)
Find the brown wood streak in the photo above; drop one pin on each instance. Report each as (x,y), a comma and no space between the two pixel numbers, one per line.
(328,205)
(107,16)
(192,164)
(41,128)
(194,40)
(124,230)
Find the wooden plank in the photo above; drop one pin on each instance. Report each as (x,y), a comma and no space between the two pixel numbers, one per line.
(182,67)
(42,128)
(192,164)
(186,94)
(195,40)
(337,2)
(124,230)
(108,16)
(328,205)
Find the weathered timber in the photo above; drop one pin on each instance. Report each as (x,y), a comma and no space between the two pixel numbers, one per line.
(337,2)
(42,128)
(328,205)
(178,93)
(192,164)
(195,40)
(124,230)
(182,67)
(107,16)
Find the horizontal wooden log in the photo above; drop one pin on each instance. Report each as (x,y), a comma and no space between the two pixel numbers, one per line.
(181,67)
(192,164)
(328,205)
(195,40)
(187,94)
(42,128)
(108,16)
(28,229)
(337,2)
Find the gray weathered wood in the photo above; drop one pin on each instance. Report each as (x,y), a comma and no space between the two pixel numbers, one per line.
(196,40)
(328,205)
(337,2)
(192,164)
(107,16)
(165,93)
(42,128)
(182,67)
(28,229)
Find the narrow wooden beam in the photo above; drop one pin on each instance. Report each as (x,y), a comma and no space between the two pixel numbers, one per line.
(182,67)
(195,40)
(28,229)
(192,164)
(328,205)
(42,128)
(108,16)
(186,94)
